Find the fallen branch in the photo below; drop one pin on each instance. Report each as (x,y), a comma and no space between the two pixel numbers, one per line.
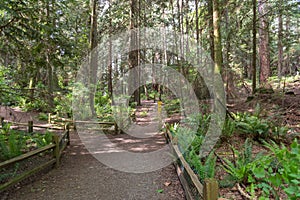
(243,193)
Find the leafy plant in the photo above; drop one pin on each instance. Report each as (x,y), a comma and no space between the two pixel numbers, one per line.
(42,116)
(15,143)
(286,173)
(228,129)
(10,146)
(204,169)
(184,136)
(252,126)
(201,121)
(240,168)
(172,106)
(279,132)
(269,173)
(5,129)
(43,139)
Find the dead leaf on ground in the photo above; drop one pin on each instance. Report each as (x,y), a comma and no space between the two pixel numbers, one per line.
(167,183)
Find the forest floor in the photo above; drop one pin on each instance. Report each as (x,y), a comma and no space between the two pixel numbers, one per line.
(280,107)
(82,176)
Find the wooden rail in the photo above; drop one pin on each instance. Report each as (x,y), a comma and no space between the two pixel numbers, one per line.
(189,180)
(30,125)
(116,129)
(59,143)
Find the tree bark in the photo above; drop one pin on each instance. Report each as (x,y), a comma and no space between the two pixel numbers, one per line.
(287,68)
(110,88)
(264,51)
(254,32)
(280,46)
(218,57)
(197,27)
(93,56)
(211,29)
(133,54)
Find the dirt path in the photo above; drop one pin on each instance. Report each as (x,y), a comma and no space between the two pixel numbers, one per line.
(81,176)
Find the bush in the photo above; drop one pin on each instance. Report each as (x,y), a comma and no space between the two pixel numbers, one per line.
(14,143)
(252,126)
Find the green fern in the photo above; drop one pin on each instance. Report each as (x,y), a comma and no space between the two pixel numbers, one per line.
(204,170)
(247,151)
(4,150)
(15,145)
(240,168)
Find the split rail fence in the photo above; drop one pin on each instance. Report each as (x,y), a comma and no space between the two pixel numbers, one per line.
(193,188)
(59,143)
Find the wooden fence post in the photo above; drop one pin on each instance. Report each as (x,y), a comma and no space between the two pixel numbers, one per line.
(49,118)
(116,128)
(67,127)
(2,121)
(55,139)
(30,126)
(210,189)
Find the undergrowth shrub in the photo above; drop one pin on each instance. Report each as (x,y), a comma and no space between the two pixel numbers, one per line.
(265,175)
(252,126)
(14,143)
(204,169)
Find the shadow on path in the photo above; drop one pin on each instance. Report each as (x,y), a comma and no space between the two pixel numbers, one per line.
(81,176)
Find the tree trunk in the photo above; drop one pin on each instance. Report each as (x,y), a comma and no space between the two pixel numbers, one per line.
(93,56)
(218,58)
(50,83)
(254,31)
(280,46)
(228,73)
(133,54)
(110,89)
(197,28)
(287,68)
(264,52)
(211,29)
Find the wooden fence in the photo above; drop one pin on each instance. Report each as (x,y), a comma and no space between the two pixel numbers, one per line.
(59,143)
(116,129)
(194,190)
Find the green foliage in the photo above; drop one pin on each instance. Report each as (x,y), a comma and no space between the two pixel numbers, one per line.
(36,104)
(172,106)
(203,169)
(185,136)
(190,143)
(143,114)
(63,104)
(228,129)
(252,126)
(42,116)
(279,132)
(103,107)
(199,120)
(240,168)
(14,143)
(42,139)
(10,146)
(266,173)
(5,129)
(286,173)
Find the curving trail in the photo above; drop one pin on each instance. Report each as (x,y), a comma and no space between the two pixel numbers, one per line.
(81,176)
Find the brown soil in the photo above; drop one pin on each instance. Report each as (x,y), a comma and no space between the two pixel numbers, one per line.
(81,176)
(283,109)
